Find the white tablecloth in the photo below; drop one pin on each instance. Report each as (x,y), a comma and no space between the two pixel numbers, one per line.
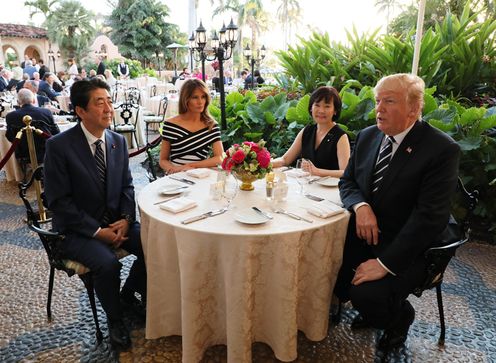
(217,281)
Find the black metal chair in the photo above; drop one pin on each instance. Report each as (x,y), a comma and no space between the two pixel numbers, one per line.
(439,256)
(152,170)
(51,241)
(133,95)
(158,118)
(129,113)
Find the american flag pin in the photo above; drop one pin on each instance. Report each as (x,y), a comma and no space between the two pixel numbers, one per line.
(409,149)
(113,146)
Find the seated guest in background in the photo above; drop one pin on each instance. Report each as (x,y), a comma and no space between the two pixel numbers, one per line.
(42,119)
(323,144)
(35,64)
(92,74)
(20,85)
(110,78)
(17,72)
(62,77)
(96,210)
(36,76)
(46,86)
(398,186)
(123,70)
(197,74)
(40,100)
(4,80)
(190,137)
(29,69)
(185,73)
(247,77)
(227,77)
(258,78)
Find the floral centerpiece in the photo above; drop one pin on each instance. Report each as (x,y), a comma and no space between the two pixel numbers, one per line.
(249,161)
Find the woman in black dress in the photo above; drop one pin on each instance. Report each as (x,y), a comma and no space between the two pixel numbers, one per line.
(323,144)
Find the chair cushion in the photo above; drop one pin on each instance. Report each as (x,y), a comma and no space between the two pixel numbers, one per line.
(152,118)
(124,127)
(81,269)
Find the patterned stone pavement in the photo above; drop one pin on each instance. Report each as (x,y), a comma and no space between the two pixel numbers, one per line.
(26,335)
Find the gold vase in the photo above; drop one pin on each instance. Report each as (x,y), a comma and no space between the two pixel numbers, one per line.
(246,179)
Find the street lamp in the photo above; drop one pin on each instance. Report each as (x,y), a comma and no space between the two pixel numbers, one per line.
(222,46)
(252,60)
(159,55)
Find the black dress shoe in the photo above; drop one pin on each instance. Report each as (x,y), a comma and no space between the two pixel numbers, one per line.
(119,335)
(360,323)
(397,334)
(134,305)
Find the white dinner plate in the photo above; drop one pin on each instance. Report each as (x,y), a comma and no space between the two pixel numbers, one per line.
(172,189)
(249,216)
(328,182)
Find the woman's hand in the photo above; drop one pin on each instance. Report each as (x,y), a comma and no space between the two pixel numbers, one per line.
(308,166)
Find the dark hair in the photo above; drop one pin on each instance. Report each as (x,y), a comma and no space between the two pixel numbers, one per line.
(80,91)
(327,94)
(244,72)
(257,73)
(187,90)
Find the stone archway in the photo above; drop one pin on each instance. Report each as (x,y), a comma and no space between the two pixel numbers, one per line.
(11,55)
(33,52)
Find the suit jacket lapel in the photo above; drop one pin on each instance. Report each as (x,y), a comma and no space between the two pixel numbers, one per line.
(400,158)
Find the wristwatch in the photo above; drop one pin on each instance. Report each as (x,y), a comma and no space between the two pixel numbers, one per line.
(128,218)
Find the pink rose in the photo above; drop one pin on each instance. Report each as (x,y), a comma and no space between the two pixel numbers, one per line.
(263,158)
(253,146)
(238,156)
(227,164)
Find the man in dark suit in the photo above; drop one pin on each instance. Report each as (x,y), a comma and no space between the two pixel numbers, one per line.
(399,192)
(89,190)
(45,87)
(42,119)
(101,67)
(33,87)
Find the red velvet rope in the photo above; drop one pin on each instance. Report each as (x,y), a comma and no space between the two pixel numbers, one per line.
(148,146)
(16,142)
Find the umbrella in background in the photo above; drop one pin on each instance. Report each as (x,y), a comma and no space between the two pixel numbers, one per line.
(175,47)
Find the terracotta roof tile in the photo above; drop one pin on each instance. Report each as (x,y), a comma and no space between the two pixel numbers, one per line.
(22,31)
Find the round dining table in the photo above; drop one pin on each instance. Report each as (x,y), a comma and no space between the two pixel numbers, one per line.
(233,278)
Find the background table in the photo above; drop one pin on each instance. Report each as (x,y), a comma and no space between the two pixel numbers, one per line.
(217,281)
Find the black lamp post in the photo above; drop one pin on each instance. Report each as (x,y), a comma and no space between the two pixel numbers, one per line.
(222,46)
(252,60)
(191,49)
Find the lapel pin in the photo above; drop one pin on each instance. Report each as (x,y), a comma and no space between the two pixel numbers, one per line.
(113,146)
(409,149)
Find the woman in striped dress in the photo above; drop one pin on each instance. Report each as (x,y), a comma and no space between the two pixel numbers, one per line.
(192,138)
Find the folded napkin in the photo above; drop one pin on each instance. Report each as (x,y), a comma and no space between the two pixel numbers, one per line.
(324,209)
(178,205)
(297,173)
(198,173)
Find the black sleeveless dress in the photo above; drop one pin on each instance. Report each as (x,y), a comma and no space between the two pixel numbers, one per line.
(326,155)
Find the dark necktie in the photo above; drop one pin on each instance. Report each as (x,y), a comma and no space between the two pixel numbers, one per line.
(100,161)
(382,163)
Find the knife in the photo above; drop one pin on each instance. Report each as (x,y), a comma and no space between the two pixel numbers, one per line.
(314,197)
(204,215)
(166,200)
(187,181)
(266,215)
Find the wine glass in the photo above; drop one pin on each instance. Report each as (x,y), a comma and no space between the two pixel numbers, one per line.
(303,174)
(230,190)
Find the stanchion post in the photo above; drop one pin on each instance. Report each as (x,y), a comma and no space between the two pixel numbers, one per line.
(34,164)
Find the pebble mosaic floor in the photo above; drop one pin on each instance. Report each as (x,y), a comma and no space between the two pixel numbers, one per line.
(469,293)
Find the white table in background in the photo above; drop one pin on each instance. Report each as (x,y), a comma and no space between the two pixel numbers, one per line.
(217,281)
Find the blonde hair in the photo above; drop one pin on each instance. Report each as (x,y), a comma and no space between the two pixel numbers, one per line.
(187,89)
(413,86)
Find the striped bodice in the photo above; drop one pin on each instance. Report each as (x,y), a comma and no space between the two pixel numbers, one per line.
(186,146)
